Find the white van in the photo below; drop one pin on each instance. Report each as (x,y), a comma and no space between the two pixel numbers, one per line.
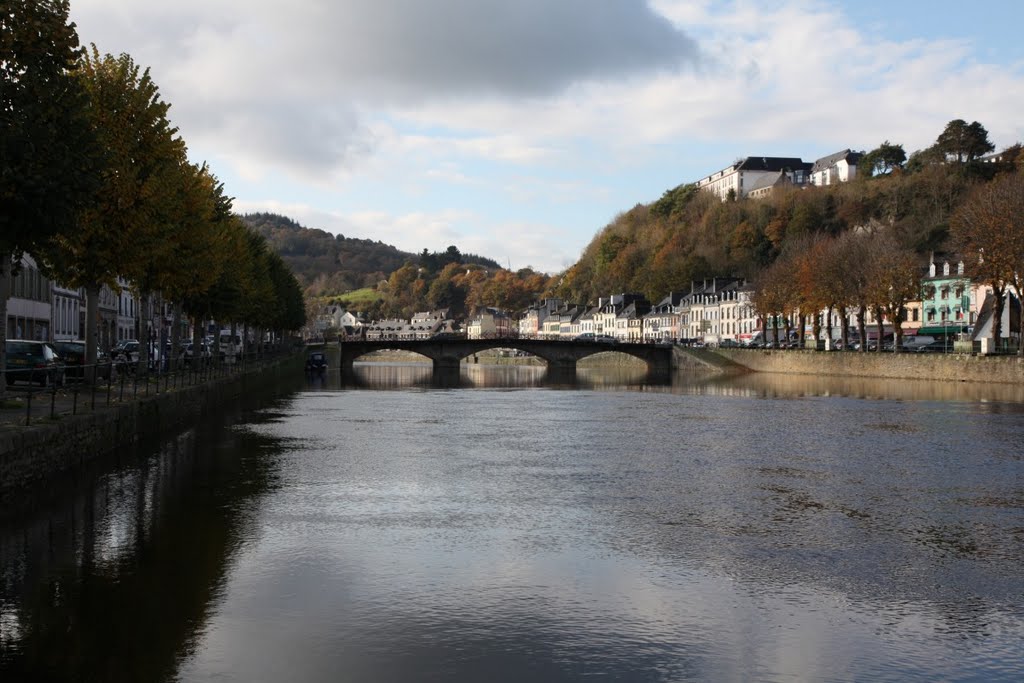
(230,346)
(916,341)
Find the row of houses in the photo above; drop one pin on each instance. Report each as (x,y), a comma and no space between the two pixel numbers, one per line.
(714,311)
(721,311)
(44,310)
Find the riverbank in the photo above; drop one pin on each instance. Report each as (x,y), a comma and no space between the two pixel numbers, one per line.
(51,446)
(942,367)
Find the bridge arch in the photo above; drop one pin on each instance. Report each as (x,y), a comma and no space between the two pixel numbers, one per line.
(558,354)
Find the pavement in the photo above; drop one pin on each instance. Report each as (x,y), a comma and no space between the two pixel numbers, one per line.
(26,404)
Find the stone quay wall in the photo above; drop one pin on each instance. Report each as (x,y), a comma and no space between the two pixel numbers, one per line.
(928,366)
(29,456)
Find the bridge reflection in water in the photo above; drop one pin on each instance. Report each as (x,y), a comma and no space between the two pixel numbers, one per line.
(446,355)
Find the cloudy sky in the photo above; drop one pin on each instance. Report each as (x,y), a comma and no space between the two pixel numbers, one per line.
(517,129)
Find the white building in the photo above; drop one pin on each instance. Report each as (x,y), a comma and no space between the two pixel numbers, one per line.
(490,323)
(29,308)
(746,174)
(531,324)
(68,313)
(835,168)
(127,312)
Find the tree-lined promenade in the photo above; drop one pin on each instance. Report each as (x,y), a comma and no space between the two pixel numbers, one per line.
(96,184)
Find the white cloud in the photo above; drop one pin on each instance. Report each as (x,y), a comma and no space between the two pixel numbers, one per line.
(533,102)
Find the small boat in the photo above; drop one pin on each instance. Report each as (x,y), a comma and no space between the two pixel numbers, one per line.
(316,363)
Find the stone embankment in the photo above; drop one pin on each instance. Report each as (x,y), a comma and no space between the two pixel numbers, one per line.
(30,455)
(928,366)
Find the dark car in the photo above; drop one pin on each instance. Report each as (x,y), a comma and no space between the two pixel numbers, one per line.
(33,361)
(316,363)
(72,353)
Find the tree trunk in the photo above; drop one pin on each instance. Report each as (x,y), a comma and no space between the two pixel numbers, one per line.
(198,358)
(92,318)
(175,337)
(846,327)
(234,347)
(816,328)
(828,326)
(997,312)
(881,329)
(775,331)
(5,293)
(897,332)
(788,326)
(1020,322)
(802,319)
(862,327)
(143,366)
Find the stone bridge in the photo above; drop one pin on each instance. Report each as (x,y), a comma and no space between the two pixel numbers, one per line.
(561,356)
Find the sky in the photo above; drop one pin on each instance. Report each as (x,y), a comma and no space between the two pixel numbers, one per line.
(518,129)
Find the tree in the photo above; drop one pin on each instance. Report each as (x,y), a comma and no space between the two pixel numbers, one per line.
(115,233)
(964,142)
(883,159)
(46,147)
(896,282)
(988,230)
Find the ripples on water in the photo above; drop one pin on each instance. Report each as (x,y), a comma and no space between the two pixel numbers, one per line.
(750,529)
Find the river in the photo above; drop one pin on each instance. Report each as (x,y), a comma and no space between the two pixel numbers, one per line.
(763,528)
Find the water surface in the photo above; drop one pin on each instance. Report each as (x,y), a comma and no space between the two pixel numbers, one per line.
(761,528)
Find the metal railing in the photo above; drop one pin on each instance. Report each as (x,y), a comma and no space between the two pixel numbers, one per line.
(71,389)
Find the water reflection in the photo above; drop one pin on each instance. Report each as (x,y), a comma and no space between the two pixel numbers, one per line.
(116,581)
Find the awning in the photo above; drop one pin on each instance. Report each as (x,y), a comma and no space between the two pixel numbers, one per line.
(943,329)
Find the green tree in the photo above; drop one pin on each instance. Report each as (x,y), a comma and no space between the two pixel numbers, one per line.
(116,232)
(964,142)
(47,150)
(883,159)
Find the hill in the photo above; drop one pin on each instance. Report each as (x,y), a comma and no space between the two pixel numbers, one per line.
(325,264)
(689,235)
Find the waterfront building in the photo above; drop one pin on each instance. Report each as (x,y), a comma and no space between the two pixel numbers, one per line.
(127,312)
(67,313)
(489,323)
(946,306)
(532,321)
(662,322)
(29,308)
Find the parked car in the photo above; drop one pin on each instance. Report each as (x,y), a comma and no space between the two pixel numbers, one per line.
(937,346)
(33,361)
(188,352)
(72,353)
(605,339)
(126,350)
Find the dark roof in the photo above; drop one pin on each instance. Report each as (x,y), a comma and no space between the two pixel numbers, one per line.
(832,159)
(770,164)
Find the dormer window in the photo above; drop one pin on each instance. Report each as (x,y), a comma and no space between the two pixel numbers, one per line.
(945,268)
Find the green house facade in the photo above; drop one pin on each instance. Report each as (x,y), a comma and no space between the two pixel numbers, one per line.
(946,298)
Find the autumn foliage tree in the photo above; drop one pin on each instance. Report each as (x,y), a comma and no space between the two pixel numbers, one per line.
(117,232)
(988,230)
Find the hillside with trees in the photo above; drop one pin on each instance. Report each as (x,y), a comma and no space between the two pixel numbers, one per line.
(690,235)
(327,264)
